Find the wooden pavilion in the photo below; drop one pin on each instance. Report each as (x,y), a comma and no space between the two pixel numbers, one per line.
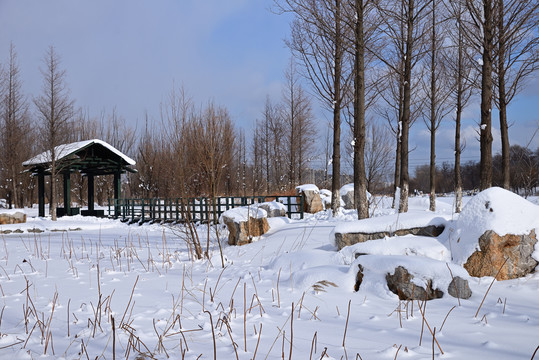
(91,158)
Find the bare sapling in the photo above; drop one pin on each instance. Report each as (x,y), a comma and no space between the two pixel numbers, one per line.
(492,283)
(346,325)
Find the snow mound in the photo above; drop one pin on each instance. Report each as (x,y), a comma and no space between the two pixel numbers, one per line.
(271,205)
(244,213)
(495,209)
(346,189)
(391,223)
(350,187)
(408,245)
(308,187)
(376,267)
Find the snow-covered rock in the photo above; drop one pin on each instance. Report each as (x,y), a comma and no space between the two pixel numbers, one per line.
(425,224)
(245,224)
(312,203)
(496,235)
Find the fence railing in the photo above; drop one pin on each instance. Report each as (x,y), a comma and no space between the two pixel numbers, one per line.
(195,209)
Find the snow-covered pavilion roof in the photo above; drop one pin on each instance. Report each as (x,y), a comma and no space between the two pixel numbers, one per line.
(92,155)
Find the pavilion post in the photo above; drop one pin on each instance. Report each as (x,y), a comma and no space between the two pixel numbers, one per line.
(117,193)
(67,193)
(41,192)
(91,192)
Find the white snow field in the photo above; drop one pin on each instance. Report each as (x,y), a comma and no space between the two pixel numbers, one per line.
(288,295)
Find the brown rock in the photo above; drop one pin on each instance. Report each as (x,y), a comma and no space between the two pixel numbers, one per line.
(312,203)
(495,249)
(243,232)
(15,218)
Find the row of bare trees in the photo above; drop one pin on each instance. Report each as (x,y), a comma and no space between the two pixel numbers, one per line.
(394,60)
(188,150)
(31,125)
(524,180)
(415,59)
(284,139)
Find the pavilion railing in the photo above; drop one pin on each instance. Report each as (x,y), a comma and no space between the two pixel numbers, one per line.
(201,209)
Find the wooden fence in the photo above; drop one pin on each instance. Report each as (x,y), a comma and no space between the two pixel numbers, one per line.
(201,209)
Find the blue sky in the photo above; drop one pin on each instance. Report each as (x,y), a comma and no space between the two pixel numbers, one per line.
(127,54)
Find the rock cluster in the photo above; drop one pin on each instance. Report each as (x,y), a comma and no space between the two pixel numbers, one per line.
(14,218)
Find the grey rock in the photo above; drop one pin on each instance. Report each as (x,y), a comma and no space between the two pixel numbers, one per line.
(400,284)
(459,288)
(347,239)
(273,211)
(348,200)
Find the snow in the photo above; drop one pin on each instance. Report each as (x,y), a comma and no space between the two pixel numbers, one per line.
(255,211)
(308,187)
(346,189)
(65,150)
(289,292)
(392,223)
(11,211)
(244,213)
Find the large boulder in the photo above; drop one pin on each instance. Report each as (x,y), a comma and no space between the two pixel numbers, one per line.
(410,276)
(505,257)
(245,224)
(347,196)
(312,203)
(325,195)
(353,232)
(400,283)
(495,235)
(17,217)
(273,209)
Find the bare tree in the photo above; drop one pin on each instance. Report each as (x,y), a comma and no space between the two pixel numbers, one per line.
(404,27)
(517,57)
(54,110)
(362,34)
(318,42)
(300,126)
(16,139)
(437,93)
(480,30)
(459,61)
(378,156)
(271,140)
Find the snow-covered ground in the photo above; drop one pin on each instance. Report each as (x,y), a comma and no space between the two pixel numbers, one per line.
(289,295)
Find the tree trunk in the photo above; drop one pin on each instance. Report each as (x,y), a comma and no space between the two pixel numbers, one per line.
(502,100)
(336,165)
(432,172)
(397,176)
(486,98)
(360,185)
(405,122)
(458,177)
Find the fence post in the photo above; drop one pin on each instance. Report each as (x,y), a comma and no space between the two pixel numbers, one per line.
(289,206)
(301,206)
(142,212)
